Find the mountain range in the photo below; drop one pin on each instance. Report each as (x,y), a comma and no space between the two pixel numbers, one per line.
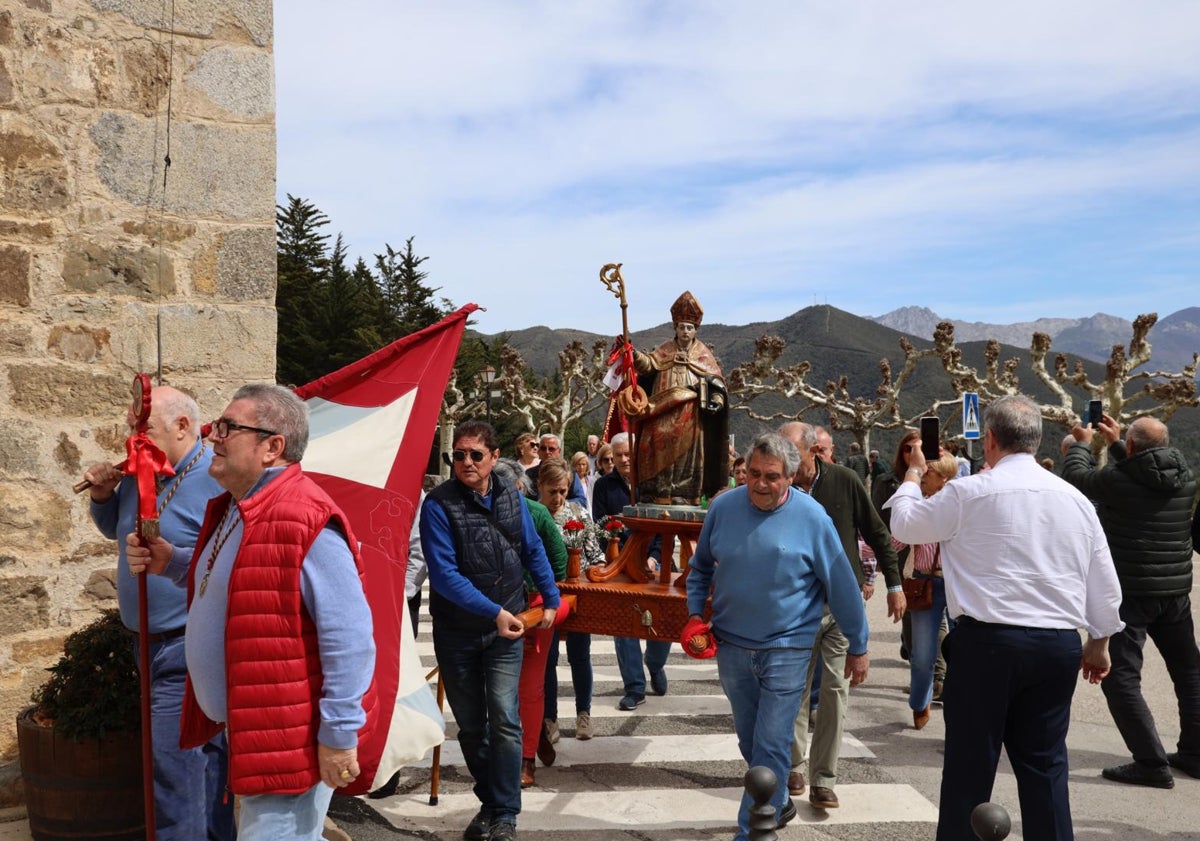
(1174,338)
(839,343)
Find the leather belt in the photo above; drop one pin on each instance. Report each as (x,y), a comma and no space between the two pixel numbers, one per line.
(164,636)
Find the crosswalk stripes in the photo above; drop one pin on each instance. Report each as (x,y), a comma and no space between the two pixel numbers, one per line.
(671,764)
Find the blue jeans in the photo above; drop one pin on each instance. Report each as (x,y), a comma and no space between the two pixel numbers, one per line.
(179,775)
(481,673)
(764,687)
(629,661)
(286,817)
(579,655)
(923,654)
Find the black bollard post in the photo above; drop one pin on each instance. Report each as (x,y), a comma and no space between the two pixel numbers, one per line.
(760,785)
(990,822)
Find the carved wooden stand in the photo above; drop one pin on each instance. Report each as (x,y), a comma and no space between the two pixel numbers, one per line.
(623,597)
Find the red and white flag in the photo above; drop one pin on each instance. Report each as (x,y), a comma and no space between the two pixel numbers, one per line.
(371,426)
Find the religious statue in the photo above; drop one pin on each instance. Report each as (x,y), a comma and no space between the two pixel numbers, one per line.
(681,437)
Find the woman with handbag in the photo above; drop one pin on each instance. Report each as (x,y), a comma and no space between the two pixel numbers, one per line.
(925,593)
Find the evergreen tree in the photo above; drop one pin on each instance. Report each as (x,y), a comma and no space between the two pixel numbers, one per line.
(349,324)
(409,304)
(302,265)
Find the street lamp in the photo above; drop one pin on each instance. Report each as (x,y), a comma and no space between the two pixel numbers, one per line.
(488,375)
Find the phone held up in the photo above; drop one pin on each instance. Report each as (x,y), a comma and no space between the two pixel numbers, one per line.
(1095,413)
(930,438)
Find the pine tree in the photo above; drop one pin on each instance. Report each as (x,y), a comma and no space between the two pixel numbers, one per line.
(409,304)
(348,321)
(302,266)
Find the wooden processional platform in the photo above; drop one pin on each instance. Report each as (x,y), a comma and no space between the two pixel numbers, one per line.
(623,597)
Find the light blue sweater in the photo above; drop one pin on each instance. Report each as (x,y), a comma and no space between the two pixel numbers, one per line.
(180,525)
(772,572)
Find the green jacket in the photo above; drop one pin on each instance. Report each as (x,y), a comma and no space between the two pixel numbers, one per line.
(845,500)
(556,550)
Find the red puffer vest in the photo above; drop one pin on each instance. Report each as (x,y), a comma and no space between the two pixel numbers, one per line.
(272,668)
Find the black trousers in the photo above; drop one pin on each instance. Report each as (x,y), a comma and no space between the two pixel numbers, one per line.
(1168,622)
(1008,686)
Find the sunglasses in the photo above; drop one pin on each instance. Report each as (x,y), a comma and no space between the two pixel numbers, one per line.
(476,455)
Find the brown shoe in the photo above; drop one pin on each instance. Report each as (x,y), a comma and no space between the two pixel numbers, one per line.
(796,783)
(920,717)
(822,798)
(527,768)
(545,749)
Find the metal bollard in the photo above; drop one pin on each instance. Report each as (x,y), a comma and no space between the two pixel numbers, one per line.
(760,785)
(990,822)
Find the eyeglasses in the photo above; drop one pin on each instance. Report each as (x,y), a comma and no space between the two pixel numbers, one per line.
(551,447)
(221,428)
(476,455)
(606,458)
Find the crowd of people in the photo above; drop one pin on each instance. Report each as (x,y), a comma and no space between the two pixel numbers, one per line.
(994,571)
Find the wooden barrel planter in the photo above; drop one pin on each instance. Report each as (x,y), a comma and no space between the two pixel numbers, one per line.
(91,789)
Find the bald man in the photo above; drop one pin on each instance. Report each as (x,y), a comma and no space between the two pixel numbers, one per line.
(188,784)
(1145,496)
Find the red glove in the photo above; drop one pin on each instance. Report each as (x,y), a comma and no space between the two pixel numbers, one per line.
(698,639)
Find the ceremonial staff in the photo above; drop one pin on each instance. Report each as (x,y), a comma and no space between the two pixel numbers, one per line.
(145,462)
(631,398)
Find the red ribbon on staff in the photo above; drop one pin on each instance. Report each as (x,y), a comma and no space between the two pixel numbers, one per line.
(623,351)
(144,461)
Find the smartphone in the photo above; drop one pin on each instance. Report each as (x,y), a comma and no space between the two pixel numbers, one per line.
(1095,413)
(930,439)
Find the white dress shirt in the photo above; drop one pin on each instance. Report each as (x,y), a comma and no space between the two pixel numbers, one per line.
(1019,547)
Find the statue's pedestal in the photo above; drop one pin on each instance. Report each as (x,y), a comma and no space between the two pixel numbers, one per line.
(624,598)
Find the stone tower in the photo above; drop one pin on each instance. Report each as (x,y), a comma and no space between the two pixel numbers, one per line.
(101,265)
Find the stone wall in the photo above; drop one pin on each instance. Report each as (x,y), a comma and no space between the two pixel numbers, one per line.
(96,262)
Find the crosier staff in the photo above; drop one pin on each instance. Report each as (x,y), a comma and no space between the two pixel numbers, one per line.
(631,398)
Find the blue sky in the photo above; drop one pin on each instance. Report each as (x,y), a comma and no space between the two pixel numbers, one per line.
(993,162)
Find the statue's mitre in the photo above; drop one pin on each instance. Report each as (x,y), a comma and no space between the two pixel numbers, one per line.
(687,308)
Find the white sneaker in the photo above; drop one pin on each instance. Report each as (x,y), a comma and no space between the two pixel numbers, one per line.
(583,726)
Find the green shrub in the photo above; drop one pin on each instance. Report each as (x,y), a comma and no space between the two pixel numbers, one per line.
(93,689)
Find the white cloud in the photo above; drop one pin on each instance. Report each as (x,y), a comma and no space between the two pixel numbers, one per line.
(764,155)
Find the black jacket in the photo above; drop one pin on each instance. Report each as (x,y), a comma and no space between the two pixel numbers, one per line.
(1145,503)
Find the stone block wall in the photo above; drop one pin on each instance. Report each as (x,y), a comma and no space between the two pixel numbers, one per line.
(98,263)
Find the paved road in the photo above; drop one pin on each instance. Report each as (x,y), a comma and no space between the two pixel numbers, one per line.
(671,770)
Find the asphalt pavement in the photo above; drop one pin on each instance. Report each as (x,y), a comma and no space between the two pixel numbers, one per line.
(670,771)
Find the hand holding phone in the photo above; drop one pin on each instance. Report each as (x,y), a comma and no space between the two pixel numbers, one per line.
(1095,413)
(930,439)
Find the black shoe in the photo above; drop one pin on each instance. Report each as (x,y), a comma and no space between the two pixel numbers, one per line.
(631,702)
(1135,773)
(387,789)
(1186,763)
(786,814)
(503,831)
(477,829)
(658,682)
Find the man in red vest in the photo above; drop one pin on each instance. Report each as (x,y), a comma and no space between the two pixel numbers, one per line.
(278,643)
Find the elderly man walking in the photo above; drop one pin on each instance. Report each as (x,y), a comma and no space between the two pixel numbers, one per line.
(189,785)
(848,506)
(773,561)
(1025,564)
(1145,496)
(279,650)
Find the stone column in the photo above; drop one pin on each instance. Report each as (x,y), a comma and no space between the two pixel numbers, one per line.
(98,264)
